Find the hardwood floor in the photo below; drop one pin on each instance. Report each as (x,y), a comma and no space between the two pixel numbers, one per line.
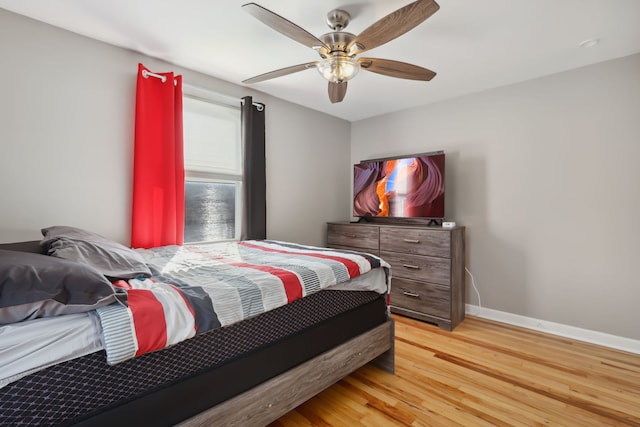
(483,374)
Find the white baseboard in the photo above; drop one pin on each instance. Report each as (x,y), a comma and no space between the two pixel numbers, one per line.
(593,337)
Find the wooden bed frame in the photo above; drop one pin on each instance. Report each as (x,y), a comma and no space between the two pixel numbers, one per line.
(270,400)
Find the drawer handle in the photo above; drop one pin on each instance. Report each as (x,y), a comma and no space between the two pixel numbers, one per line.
(413,267)
(411,240)
(410,294)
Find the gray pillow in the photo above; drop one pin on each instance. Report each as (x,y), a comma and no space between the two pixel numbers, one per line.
(112,259)
(34,285)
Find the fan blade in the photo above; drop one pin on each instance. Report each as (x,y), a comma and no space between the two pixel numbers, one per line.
(286,27)
(393,25)
(398,69)
(281,72)
(337,91)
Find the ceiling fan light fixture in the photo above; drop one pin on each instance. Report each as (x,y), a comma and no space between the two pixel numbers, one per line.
(338,68)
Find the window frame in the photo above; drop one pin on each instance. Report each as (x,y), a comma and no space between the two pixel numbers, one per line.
(203,95)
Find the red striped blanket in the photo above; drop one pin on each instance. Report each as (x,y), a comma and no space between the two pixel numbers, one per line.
(197,288)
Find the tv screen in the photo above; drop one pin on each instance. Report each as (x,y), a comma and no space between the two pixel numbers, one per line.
(401,187)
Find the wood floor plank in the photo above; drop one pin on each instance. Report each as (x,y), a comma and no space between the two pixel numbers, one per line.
(484,373)
(564,387)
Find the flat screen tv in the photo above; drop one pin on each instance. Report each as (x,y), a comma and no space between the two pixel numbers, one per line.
(400,187)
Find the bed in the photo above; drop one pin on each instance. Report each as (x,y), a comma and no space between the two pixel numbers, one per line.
(227,364)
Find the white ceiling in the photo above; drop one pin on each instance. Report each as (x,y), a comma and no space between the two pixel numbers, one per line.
(473,45)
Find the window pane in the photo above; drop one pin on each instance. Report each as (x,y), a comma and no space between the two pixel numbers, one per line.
(210,211)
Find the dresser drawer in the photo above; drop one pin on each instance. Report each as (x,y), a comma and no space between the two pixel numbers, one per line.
(422,297)
(416,267)
(353,236)
(418,241)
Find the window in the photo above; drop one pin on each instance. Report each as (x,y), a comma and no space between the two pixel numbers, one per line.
(213,169)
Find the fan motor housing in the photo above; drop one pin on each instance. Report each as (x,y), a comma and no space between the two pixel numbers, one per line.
(338,40)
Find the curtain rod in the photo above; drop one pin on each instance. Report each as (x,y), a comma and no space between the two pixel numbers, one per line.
(259,106)
(211,100)
(147,74)
(198,92)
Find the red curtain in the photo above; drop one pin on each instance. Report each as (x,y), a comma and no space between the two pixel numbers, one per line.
(158,166)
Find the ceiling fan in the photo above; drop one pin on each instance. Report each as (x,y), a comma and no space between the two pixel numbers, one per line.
(338,49)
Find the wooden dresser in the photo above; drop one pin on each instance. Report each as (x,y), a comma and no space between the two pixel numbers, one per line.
(427,265)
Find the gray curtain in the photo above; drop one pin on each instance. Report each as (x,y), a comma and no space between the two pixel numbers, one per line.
(254,214)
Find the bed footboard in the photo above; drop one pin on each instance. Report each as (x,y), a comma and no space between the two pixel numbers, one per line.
(270,400)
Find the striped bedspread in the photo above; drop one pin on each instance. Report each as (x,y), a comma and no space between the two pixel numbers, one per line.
(197,288)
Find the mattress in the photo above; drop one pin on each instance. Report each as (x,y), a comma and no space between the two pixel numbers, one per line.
(167,386)
(54,340)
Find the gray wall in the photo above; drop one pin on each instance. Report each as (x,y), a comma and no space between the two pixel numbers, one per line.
(544,175)
(66,140)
